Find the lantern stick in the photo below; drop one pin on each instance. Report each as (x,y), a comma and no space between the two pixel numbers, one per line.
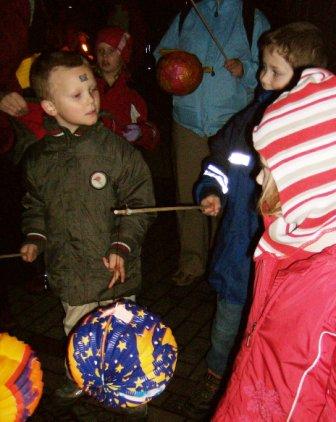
(130,211)
(212,35)
(10,255)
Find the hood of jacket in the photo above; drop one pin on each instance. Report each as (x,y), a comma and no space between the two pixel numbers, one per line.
(297,137)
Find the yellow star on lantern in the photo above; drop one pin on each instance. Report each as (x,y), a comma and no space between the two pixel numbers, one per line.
(85,340)
(119,368)
(88,353)
(138,383)
(121,346)
(141,313)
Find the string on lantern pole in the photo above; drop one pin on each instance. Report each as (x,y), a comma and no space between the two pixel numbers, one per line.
(212,35)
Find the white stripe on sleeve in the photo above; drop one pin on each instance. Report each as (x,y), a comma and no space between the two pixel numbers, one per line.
(216,173)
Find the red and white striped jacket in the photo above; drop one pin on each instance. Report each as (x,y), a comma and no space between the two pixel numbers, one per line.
(286,367)
(297,137)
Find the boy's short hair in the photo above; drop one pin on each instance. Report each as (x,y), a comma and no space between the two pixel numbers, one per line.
(46,63)
(300,43)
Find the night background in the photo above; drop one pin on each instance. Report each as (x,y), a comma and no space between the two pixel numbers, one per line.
(37,314)
(90,15)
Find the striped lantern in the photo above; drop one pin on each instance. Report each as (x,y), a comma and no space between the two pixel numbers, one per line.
(20,380)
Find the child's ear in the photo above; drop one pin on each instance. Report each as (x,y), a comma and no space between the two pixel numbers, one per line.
(48,107)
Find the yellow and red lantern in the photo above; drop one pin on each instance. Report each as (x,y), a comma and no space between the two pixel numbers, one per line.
(21,383)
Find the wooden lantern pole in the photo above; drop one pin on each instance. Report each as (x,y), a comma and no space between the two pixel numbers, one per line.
(212,35)
(130,211)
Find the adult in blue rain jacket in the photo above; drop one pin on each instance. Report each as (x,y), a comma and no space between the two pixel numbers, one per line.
(199,115)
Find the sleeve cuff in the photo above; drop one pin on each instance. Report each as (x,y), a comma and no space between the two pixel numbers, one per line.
(36,239)
(119,248)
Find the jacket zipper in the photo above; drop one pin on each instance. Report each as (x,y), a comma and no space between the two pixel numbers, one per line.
(249,336)
(266,305)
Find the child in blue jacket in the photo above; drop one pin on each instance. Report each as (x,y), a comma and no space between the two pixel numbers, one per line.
(228,183)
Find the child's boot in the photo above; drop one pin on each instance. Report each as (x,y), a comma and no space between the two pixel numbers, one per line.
(203,401)
(68,391)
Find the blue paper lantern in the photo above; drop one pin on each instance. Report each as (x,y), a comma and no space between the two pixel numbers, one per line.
(123,355)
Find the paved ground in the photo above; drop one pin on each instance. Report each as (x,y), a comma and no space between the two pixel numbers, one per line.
(187,310)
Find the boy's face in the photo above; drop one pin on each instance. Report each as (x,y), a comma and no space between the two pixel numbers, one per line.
(276,72)
(74,97)
(108,58)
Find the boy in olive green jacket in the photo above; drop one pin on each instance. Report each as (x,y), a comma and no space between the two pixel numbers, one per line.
(75,175)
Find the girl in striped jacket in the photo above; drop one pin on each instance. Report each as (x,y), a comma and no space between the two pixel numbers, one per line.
(286,368)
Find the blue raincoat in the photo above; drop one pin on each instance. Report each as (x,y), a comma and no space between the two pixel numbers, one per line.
(230,174)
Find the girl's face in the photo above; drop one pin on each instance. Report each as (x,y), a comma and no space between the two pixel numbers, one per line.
(108,58)
(264,174)
(276,72)
(269,202)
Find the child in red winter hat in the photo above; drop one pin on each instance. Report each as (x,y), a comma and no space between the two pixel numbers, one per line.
(117,39)
(125,110)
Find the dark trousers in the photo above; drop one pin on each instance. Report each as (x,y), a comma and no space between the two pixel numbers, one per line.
(224,333)
(189,150)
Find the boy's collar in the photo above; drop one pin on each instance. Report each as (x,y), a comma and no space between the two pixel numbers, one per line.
(54,129)
(263,95)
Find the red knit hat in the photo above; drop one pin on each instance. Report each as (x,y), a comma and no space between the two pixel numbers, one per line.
(118,39)
(297,137)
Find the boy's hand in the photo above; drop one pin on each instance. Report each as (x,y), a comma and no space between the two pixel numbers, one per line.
(235,67)
(13,104)
(29,252)
(211,205)
(116,265)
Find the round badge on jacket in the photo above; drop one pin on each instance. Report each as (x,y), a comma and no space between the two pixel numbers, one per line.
(98,180)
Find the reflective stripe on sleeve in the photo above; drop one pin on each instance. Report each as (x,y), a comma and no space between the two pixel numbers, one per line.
(216,173)
(239,158)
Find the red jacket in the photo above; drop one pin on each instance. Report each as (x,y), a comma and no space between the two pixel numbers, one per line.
(15,15)
(117,100)
(34,120)
(286,368)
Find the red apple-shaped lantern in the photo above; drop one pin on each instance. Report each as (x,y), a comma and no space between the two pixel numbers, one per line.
(179,72)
